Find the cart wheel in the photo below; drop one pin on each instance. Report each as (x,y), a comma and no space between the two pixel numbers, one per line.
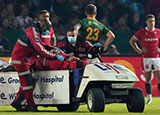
(95,100)
(68,108)
(135,101)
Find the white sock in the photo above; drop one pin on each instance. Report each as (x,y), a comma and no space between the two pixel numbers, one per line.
(149,96)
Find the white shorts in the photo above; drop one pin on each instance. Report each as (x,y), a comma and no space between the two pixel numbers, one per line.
(150,64)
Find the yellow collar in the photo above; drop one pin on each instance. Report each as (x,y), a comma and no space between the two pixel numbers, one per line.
(91,18)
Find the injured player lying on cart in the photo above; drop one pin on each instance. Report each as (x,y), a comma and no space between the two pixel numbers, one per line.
(72,63)
(69,62)
(42,64)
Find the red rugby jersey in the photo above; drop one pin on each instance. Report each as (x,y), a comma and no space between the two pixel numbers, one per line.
(149,40)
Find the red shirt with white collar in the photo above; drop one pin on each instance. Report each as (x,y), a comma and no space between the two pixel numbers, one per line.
(46,39)
(149,40)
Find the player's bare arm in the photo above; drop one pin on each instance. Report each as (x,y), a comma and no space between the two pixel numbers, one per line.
(53,40)
(133,43)
(110,37)
(158,50)
(76,29)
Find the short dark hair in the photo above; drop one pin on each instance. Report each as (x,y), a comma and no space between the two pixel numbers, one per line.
(149,16)
(91,9)
(43,11)
(71,29)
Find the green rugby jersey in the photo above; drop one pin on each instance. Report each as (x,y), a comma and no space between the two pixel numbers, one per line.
(92,30)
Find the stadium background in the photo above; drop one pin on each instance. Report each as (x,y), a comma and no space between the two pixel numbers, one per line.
(123,17)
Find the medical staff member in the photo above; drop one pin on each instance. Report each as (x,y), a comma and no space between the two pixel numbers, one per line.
(25,53)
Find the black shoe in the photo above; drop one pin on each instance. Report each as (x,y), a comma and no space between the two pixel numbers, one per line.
(32,109)
(2,69)
(8,68)
(18,107)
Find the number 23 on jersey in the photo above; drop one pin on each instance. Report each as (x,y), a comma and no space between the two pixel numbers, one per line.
(91,30)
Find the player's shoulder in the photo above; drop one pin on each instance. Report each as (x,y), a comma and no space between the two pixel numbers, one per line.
(142,30)
(83,19)
(30,29)
(51,30)
(100,24)
(157,29)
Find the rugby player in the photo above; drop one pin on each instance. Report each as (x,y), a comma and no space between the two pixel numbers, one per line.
(91,29)
(149,38)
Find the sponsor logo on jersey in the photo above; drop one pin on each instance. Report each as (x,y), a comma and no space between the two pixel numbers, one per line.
(90,23)
(151,39)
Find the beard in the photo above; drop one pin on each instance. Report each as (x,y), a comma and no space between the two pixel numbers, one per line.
(45,25)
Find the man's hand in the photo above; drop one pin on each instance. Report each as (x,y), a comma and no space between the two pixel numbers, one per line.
(97,45)
(158,50)
(57,50)
(143,51)
(72,58)
(59,57)
(75,31)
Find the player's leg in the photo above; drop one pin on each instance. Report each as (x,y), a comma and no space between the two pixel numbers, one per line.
(38,66)
(148,72)
(157,71)
(157,74)
(148,87)
(52,64)
(46,64)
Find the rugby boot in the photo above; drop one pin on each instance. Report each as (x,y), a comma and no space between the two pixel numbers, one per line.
(149,101)
(18,107)
(32,109)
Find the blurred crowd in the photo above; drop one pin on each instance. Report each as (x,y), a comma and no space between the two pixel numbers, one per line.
(123,17)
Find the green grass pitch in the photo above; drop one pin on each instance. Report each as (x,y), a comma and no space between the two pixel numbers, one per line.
(110,109)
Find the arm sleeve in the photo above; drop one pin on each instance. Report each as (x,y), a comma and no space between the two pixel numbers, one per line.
(159,34)
(52,31)
(138,34)
(37,44)
(105,30)
(79,23)
(88,45)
